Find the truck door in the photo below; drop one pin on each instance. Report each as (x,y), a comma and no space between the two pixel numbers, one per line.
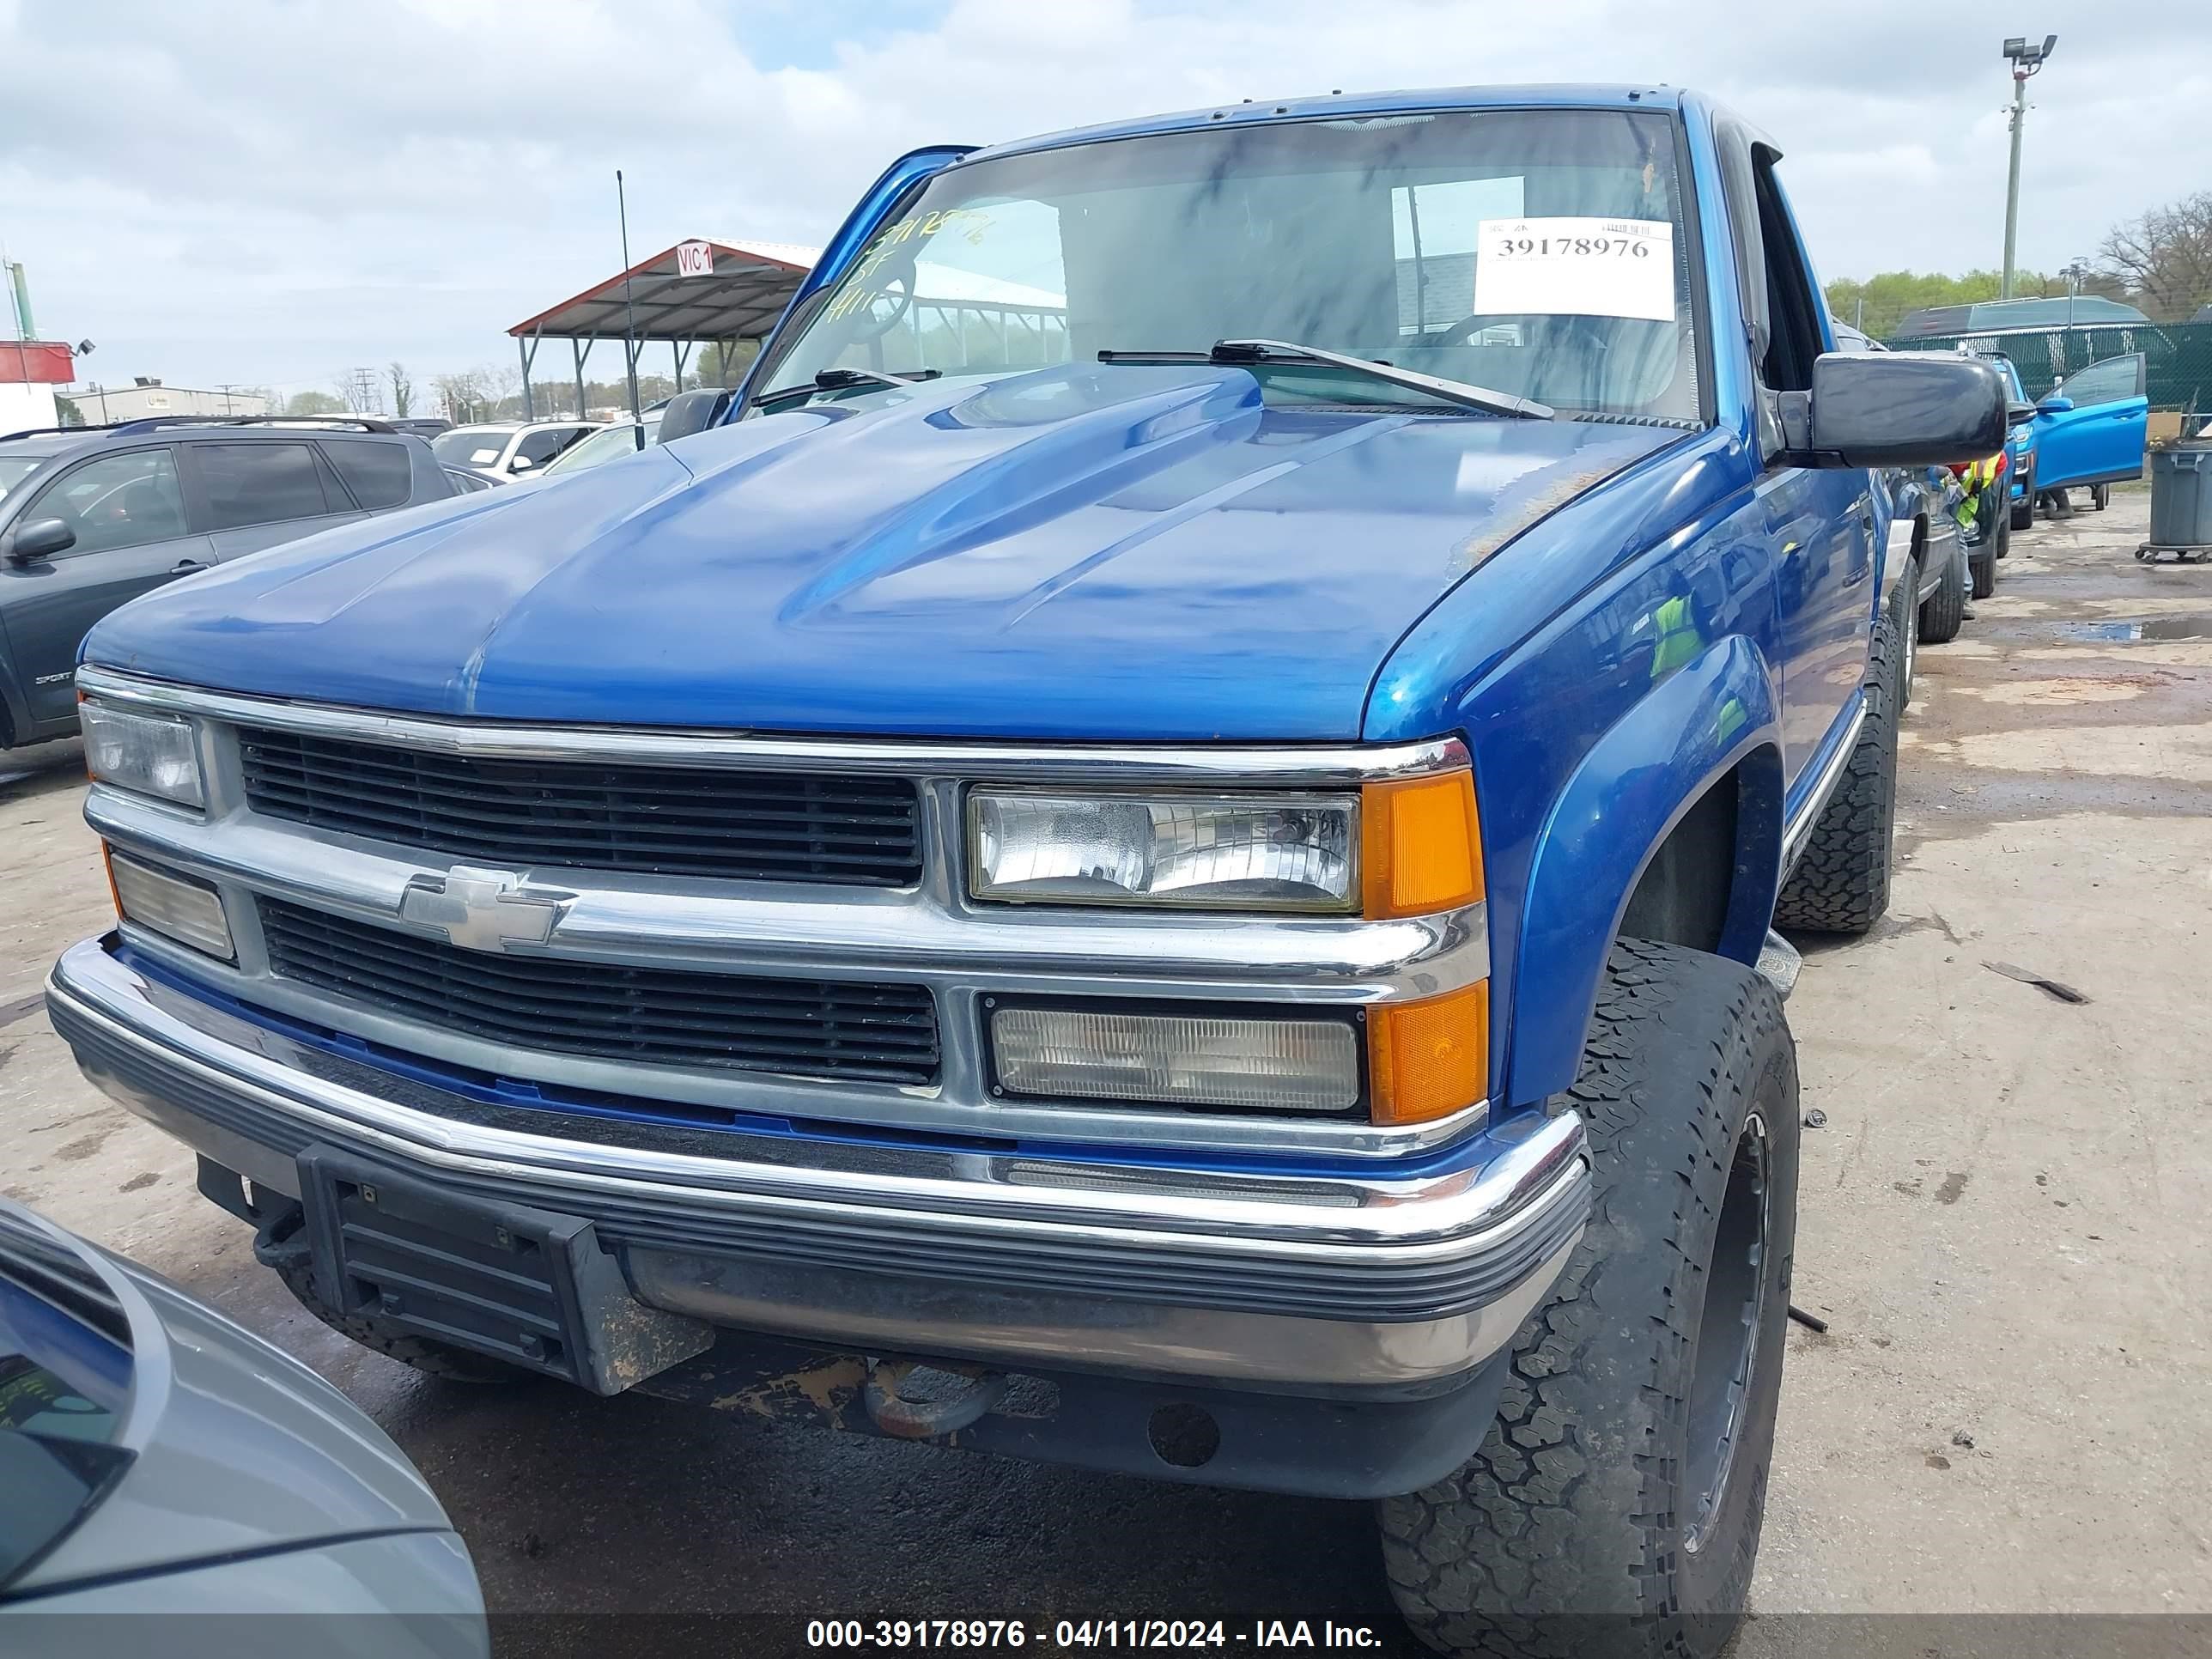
(1821,522)
(2091,429)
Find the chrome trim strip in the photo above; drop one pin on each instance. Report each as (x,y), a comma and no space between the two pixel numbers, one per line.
(1355,1250)
(1793,837)
(976,760)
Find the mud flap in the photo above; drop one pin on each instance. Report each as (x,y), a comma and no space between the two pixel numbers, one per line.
(526,1285)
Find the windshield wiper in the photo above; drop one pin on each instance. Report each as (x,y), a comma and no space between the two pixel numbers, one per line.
(1284,351)
(841,379)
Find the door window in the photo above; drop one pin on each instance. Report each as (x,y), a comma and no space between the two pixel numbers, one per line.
(380,475)
(118,501)
(260,483)
(2109,382)
(539,447)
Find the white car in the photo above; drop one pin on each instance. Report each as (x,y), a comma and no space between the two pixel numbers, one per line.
(503,451)
(611,442)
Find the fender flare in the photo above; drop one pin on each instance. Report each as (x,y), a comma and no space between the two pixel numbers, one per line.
(1716,712)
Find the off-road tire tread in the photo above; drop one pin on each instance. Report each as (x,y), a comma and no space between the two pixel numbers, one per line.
(1982,567)
(1841,883)
(1535,1548)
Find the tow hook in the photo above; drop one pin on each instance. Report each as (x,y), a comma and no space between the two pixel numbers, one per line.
(910,1401)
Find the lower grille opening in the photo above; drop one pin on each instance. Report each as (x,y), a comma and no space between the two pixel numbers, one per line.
(828,1028)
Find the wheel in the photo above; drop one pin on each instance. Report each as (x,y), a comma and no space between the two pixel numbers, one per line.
(2100,496)
(1946,608)
(1841,883)
(1982,563)
(2022,515)
(1615,1507)
(280,1247)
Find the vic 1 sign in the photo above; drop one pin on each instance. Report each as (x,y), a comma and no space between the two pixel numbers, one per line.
(1575,267)
(695,258)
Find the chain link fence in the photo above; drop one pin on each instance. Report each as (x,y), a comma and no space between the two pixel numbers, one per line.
(2178,356)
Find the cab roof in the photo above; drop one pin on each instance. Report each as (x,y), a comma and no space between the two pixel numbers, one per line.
(1564,95)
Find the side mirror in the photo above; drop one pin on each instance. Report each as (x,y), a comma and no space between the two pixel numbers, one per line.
(520,464)
(41,538)
(1898,408)
(2054,404)
(2018,414)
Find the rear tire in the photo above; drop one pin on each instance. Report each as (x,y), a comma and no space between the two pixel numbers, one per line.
(1841,883)
(1982,566)
(2022,516)
(1945,611)
(2101,496)
(1615,1507)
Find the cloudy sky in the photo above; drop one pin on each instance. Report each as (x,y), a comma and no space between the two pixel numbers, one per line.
(269,191)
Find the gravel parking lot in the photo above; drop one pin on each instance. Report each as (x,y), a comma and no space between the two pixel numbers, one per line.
(2003,1222)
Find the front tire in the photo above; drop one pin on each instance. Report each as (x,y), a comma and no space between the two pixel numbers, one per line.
(1615,1507)
(2100,496)
(1982,563)
(1945,611)
(2022,516)
(1841,883)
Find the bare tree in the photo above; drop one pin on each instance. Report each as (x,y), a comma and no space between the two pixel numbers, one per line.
(2166,257)
(461,394)
(403,389)
(500,382)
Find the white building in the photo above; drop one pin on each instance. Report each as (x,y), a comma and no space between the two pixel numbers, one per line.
(104,405)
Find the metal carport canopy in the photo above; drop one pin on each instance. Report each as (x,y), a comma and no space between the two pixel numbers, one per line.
(749,286)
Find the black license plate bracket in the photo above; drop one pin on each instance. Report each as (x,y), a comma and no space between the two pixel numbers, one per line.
(533,1287)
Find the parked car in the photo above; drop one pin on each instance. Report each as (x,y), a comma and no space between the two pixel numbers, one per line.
(92,516)
(2022,458)
(2091,430)
(2017,316)
(504,450)
(1208,871)
(1925,541)
(468,482)
(611,442)
(158,1460)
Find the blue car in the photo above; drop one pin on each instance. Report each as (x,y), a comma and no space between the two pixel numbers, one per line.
(2090,430)
(2021,450)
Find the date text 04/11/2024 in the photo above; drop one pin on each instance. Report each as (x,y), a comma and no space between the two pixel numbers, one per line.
(1084,1634)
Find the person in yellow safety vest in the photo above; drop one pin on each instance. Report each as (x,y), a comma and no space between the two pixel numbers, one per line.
(1977,480)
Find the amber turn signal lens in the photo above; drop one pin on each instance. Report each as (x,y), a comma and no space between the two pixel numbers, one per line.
(1427,1060)
(107,863)
(1419,850)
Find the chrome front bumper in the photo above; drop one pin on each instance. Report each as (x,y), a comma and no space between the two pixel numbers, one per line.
(1364,1281)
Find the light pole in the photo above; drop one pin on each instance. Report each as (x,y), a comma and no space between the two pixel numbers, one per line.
(2025,60)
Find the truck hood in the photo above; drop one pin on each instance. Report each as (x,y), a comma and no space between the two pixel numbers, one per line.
(1127,552)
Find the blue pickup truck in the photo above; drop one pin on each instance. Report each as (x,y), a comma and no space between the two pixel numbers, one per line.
(1153,859)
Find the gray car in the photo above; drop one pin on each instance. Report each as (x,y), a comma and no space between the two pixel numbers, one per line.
(156,1458)
(92,516)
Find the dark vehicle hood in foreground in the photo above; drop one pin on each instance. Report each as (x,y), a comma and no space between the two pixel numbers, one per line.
(1126,552)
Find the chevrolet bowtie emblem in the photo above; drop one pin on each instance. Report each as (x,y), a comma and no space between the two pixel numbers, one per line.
(482,909)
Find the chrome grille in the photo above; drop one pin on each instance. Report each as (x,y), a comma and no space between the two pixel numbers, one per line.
(660,820)
(650,1016)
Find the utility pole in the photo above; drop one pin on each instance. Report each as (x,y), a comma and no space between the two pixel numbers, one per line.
(2026,60)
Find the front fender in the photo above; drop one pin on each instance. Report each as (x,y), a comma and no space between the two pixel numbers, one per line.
(1636,782)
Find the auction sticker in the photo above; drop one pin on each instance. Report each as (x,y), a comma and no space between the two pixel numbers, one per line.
(1575,268)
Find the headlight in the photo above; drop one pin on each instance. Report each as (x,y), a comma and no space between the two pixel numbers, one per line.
(1222,852)
(150,754)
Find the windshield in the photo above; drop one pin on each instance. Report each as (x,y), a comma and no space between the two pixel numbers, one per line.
(1538,253)
(14,469)
(611,444)
(466,445)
